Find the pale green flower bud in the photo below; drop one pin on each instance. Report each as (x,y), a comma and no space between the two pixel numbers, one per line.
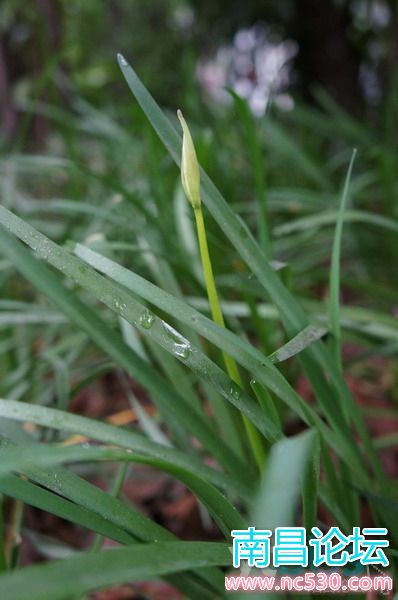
(190,174)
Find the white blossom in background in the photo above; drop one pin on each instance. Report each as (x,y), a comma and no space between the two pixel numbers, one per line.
(372,17)
(375,14)
(256,66)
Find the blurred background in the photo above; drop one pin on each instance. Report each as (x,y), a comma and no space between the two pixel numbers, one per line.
(319,78)
(188,52)
(277,95)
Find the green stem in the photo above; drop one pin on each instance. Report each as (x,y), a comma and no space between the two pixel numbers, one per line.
(115,490)
(13,541)
(230,364)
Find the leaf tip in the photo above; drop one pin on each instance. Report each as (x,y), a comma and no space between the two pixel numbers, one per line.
(121,60)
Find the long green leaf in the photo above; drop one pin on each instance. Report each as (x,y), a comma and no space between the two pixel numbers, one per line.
(137,314)
(18,459)
(88,572)
(245,354)
(334,281)
(280,490)
(65,483)
(40,498)
(329,218)
(302,340)
(102,334)
(257,163)
(292,315)
(131,310)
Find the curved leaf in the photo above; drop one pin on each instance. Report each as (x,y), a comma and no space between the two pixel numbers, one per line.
(88,572)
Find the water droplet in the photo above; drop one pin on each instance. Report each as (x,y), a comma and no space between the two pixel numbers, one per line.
(146,319)
(119,306)
(173,333)
(43,250)
(182,350)
(181,346)
(122,60)
(56,481)
(235,391)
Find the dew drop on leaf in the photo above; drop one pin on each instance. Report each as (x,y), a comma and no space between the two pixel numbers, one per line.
(146,319)
(235,392)
(182,350)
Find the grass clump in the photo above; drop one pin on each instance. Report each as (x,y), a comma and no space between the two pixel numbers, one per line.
(112,288)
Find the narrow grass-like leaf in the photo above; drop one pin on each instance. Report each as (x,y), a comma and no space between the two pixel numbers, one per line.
(8,318)
(61,579)
(37,496)
(245,354)
(62,421)
(124,518)
(280,488)
(65,483)
(334,281)
(165,278)
(353,318)
(47,282)
(330,217)
(257,162)
(128,307)
(302,340)
(310,487)
(329,395)
(18,459)
(191,184)
(266,402)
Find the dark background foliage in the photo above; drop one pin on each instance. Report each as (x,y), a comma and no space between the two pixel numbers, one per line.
(350,48)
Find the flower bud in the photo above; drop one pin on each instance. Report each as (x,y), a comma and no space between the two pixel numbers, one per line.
(190,175)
